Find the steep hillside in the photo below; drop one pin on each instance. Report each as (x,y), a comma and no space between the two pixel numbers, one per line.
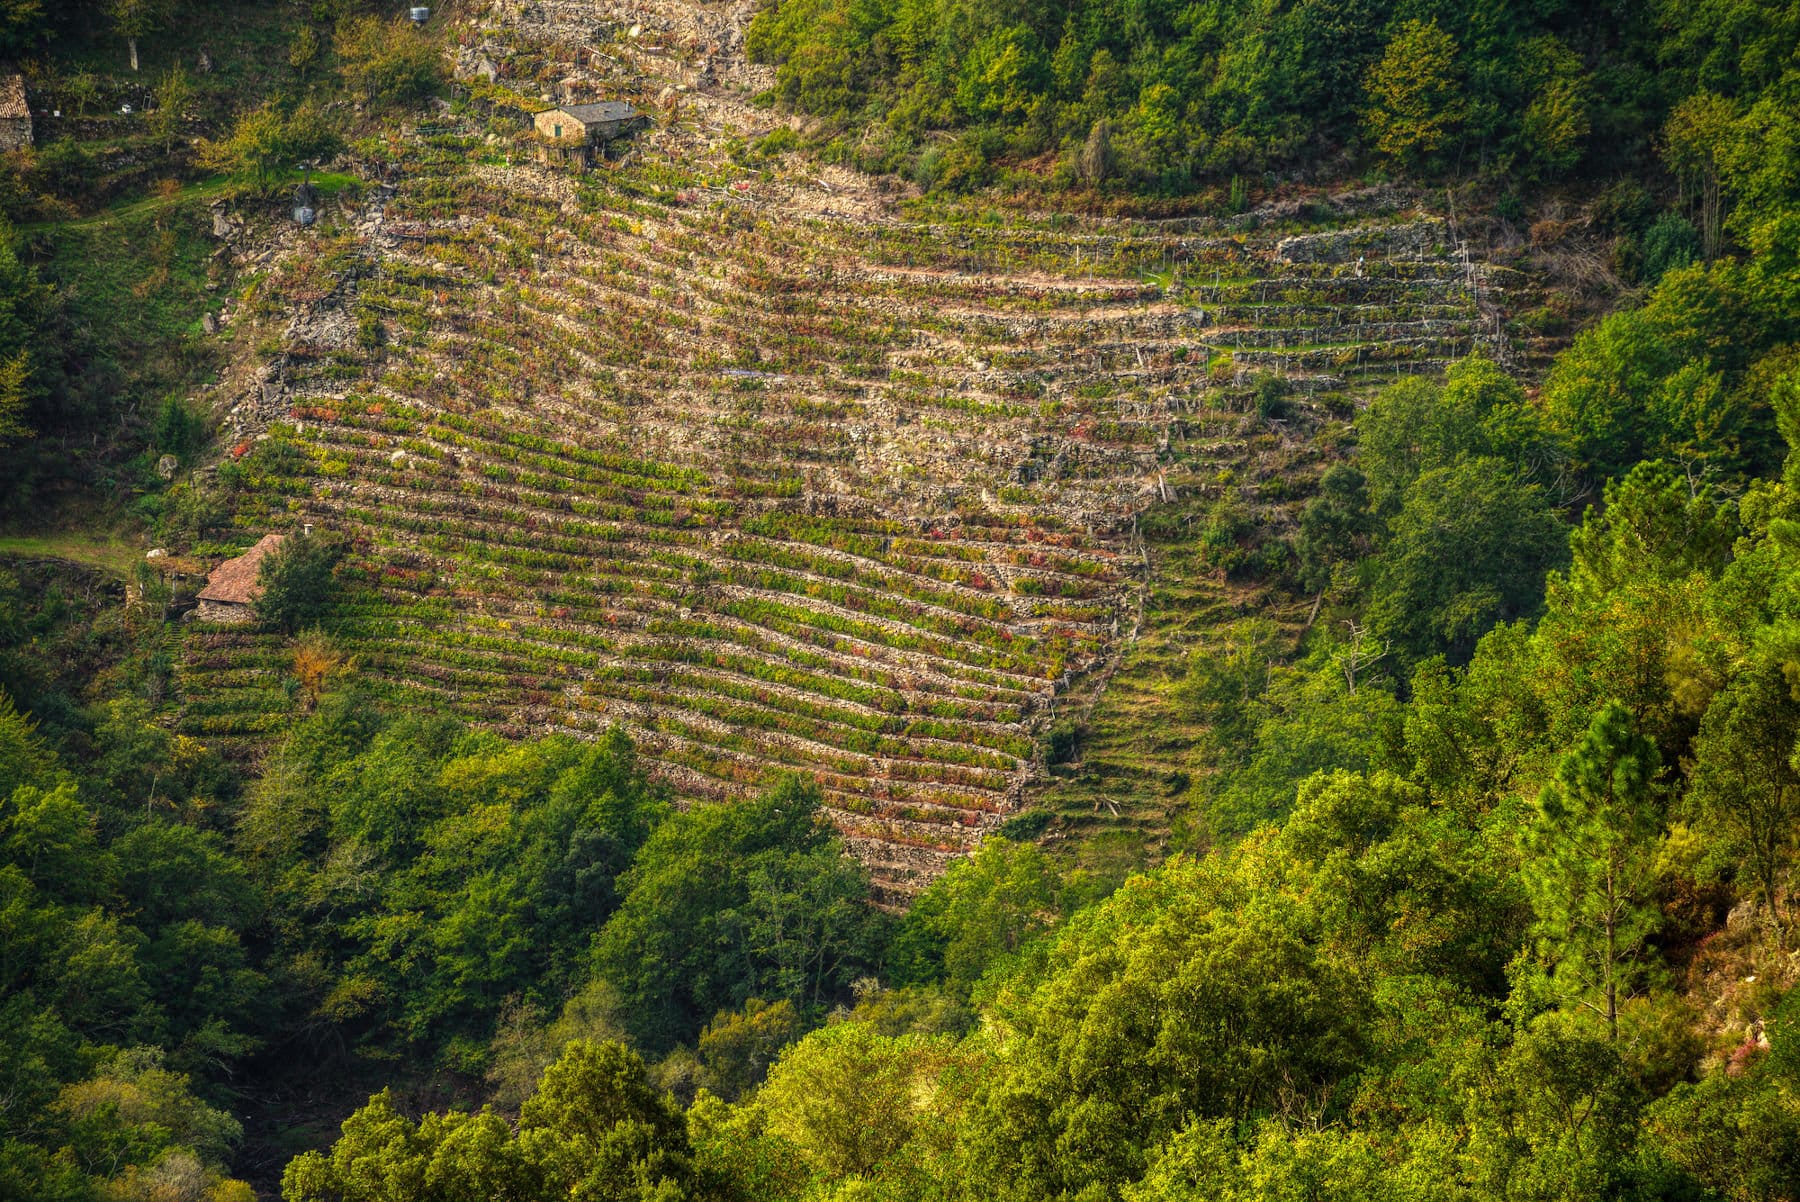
(777,471)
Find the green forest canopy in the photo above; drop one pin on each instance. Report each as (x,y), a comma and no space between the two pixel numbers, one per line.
(1171,94)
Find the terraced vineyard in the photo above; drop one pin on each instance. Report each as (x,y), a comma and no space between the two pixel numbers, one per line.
(853,497)
(1137,750)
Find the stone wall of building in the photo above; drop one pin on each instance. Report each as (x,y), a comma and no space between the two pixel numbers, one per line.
(223,611)
(15,113)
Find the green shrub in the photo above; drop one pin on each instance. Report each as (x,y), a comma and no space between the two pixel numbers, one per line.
(777,141)
(1670,242)
(299,582)
(1021,828)
(1062,741)
(179,430)
(1271,393)
(388,62)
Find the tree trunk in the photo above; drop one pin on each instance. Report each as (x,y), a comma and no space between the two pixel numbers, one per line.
(132,42)
(1709,215)
(1612,956)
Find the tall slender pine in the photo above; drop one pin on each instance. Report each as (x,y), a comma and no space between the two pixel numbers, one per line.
(1589,865)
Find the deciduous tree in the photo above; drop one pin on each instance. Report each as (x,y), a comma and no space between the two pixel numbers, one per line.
(299,581)
(729,902)
(1469,549)
(1693,136)
(1746,773)
(1416,102)
(133,19)
(174,92)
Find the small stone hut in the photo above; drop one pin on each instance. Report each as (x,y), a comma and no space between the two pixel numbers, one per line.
(575,132)
(231,590)
(15,113)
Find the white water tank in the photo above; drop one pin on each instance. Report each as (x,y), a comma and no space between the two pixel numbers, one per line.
(419,15)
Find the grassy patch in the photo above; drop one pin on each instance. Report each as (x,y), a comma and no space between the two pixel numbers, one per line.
(106,554)
(124,212)
(138,283)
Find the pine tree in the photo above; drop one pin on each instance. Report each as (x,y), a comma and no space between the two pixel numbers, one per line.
(1588,868)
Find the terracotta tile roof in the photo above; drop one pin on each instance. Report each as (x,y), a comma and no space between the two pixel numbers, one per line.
(235,579)
(12,97)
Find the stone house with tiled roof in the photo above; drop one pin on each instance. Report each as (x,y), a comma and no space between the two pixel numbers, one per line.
(575,132)
(15,113)
(232,589)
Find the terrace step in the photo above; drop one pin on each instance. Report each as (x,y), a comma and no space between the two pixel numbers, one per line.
(853,498)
